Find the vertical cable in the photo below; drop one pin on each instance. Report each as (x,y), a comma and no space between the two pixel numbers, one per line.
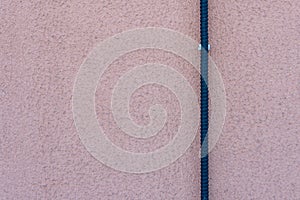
(204,99)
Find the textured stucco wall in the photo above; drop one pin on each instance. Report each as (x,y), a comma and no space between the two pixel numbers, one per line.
(255,44)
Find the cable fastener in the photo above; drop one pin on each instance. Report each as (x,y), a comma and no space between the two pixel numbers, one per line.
(200,47)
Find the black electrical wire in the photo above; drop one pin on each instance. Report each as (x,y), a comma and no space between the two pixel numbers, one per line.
(204,99)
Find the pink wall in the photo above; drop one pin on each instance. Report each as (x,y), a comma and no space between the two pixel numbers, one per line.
(255,45)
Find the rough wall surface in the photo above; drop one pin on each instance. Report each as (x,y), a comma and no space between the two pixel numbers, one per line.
(254,44)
